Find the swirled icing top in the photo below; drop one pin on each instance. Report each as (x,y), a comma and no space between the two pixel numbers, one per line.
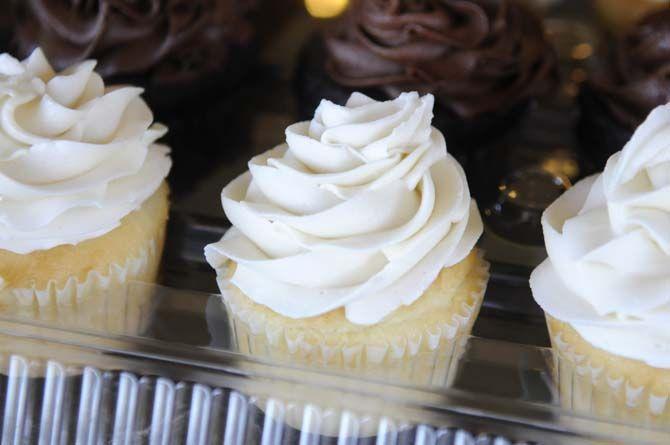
(75,157)
(608,240)
(163,40)
(360,209)
(477,56)
(636,80)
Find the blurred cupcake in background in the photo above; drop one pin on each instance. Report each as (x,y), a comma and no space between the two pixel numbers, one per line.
(619,15)
(177,49)
(630,82)
(484,61)
(189,55)
(6,25)
(84,202)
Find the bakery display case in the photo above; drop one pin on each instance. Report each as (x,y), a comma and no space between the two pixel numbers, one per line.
(529,97)
(187,379)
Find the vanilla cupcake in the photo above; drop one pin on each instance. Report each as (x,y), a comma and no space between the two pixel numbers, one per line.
(353,243)
(84,201)
(606,284)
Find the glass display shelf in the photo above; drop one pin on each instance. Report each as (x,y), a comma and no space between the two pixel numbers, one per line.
(183,380)
(173,372)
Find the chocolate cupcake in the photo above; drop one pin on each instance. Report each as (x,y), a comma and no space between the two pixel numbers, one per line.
(189,55)
(6,21)
(483,60)
(633,81)
(175,48)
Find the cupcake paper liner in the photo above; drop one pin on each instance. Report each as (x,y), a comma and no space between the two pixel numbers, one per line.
(100,302)
(419,356)
(592,381)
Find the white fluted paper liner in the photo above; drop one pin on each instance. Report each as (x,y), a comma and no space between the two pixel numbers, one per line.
(421,356)
(100,302)
(617,389)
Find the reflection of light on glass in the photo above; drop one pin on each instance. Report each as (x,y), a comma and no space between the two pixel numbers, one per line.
(570,89)
(582,51)
(578,75)
(324,9)
(562,168)
(574,40)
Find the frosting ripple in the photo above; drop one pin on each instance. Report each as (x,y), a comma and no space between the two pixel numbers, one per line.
(608,240)
(360,209)
(75,157)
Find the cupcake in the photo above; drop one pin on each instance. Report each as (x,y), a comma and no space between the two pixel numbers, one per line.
(604,286)
(177,50)
(84,202)
(623,91)
(352,244)
(189,55)
(619,15)
(630,83)
(484,61)
(6,23)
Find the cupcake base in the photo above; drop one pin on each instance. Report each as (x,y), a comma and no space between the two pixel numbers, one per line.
(85,286)
(416,343)
(591,380)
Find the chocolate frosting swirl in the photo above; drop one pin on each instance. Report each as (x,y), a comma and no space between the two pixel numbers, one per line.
(168,41)
(477,56)
(637,79)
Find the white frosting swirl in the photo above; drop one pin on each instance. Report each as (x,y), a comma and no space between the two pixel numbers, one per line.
(75,158)
(361,209)
(608,240)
